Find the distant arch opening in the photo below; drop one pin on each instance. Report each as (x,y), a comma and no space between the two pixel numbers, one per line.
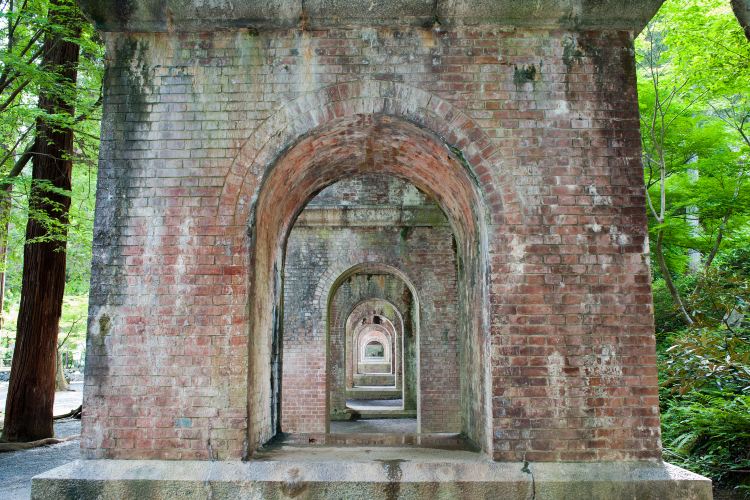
(373,352)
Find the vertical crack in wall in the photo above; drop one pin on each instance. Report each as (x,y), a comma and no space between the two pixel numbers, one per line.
(526,470)
(435,17)
(207,485)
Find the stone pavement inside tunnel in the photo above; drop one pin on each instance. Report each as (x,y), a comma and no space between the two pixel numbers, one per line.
(304,203)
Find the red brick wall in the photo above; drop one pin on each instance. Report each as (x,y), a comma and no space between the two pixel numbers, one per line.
(563,347)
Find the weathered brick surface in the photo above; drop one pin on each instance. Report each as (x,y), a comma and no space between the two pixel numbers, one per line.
(553,283)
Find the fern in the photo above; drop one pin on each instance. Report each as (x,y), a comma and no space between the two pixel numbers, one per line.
(708,433)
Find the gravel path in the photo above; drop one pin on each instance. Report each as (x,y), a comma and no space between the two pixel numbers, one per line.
(18,467)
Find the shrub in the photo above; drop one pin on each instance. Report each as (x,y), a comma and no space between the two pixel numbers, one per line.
(709,433)
(707,359)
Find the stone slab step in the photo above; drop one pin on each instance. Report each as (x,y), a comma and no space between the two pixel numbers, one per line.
(372,393)
(386,413)
(312,444)
(374,368)
(381,379)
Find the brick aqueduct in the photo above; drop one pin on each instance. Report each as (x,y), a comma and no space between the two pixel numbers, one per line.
(447,192)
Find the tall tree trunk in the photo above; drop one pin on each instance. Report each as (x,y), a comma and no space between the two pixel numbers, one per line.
(741,10)
(61,383)
(31,392)
(5,207)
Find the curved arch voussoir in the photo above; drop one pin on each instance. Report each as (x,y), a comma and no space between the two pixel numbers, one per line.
(302,116)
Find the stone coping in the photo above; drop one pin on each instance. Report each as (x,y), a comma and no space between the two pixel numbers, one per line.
(208,15)
(371,217)
(368,473)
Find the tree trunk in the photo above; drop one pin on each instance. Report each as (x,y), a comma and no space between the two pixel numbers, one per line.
(61,383)
(676,298)
(5,207)
(31,392)
(741,10)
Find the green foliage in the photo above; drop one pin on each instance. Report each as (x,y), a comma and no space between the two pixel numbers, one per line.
(705,372)
(666,317)
(694,98)
(715,352)
(709,45)
(708,433)
(72,338)
(23,28)
(705,358)
(721,298)
(737,260)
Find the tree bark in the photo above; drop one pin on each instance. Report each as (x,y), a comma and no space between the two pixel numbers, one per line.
(61,383)
(31,392)
(5,207)
(659,249)
(741,10)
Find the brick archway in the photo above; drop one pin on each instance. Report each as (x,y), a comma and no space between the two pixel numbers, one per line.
(301,117)
(521,118)
(391,290)
(197,128)
(345,147)
(354,329)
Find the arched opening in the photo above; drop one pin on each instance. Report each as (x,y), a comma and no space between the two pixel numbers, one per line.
(345,148)
(360,330)
(374,352)
(372,290)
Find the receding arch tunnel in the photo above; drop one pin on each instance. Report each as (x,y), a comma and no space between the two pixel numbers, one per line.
(344,149)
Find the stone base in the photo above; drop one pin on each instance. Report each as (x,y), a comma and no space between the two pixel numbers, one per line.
(367,473)
(377,414)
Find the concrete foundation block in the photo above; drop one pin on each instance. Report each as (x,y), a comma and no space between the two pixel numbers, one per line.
(368,473)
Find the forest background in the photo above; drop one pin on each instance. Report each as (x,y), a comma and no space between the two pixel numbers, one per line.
(694,94)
